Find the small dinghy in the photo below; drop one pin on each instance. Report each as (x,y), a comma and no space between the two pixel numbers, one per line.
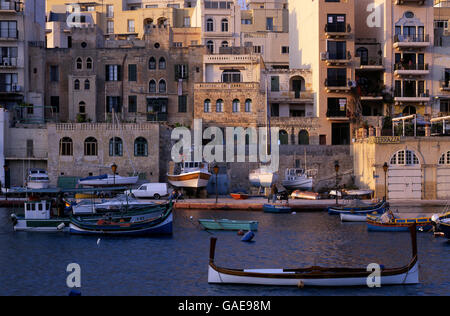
(353,217)
(227,224)
(273,208)
(239,195)
(358,207)
(315,275)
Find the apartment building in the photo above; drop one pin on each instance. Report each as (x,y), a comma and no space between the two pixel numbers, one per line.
(21,26)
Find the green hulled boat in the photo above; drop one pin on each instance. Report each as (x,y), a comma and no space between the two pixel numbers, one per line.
(227,224)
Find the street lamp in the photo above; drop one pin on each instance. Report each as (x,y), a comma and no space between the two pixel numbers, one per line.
(114,169)
(216,171)
(336,168)
(385,169)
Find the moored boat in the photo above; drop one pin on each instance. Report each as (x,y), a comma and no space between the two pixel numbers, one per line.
(274,208)
(359,208)
(226,224)
(239,195)
(105,180)
(124,225)
(297,179)
(353,217)
(315,275)
(297,194)
(441,223)
(192,175)
(389,223)
(37,179)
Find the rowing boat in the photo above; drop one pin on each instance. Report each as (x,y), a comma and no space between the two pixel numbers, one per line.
(272,208)
(315,276)
(353,217)
(226,224)
(239,195)
(359,208)
(376,223)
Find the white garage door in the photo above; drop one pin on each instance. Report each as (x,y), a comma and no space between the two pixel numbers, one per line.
(443,183)
(405,183)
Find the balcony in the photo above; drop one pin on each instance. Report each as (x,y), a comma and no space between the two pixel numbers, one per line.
(406,96)
(11,7)
(10,88)
(336,58)
(411,70)
(334,114)
(445,85)
(411,41)
(226,86)
(292,96)
(372,64)
(337,85)
(418,2)
(8,62)
(337,30)
(157,117)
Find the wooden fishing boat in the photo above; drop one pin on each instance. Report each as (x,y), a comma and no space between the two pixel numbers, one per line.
(297,194)
(226,224)
(192,175)
(359,208)
(315,276)
(274,208)
(125,226)
(353,217)
(441,223)
(239,195)
(376,223)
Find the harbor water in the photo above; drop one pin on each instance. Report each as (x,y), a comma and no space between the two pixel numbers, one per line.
(35,263)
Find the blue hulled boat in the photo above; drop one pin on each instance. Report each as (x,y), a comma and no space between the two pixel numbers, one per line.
(273,208)
(359,208)
(388,223)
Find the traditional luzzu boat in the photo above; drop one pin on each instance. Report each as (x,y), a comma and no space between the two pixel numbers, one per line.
(276,208)
(227,224)
(124,225)
(441,222)
(315,276)
(239,195)
(388,223)
(359,208)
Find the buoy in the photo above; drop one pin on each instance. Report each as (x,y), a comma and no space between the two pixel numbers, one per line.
(61,226)
(240,232)
(248,236)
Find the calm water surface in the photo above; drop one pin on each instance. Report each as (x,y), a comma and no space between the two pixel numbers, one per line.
(35,263)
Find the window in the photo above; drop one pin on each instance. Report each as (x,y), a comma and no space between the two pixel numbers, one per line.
(54,103)
(283,137)
(152,63)
(269,24)
(132,104)
(79,63)
(8,82)
(445,159)
(8,29)
(90,146)
(152,86)
(162,86)
(246,21)
(87,84)
(248,105)
(404,157)
(89,63)
(303,137)
(76,84)
(187,21)
(162,63)
(113,73)
(210,47)
(337,107)
(337,77)
(115,147)
(219,105)
(132,72)
(285,49)
(130,26)
(140,147)
(109,11)
(224,25)
(209,25)
(224,44)
(275,83)
(231,76)
(257,49)
(110,27)
(182,103)
(54,73)
(207,106)
(113,103)
(444,105)
(66,146)
(181,72)
(236,105)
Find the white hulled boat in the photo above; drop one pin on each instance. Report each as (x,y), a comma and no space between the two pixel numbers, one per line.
(37,179)
(297,179)
(192,175)
(108,180)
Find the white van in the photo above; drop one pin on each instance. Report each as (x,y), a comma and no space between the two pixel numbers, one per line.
(150,190)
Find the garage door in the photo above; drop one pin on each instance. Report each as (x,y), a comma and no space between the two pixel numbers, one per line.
(405,183)
(443,183)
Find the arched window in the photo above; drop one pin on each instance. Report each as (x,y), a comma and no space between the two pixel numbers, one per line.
(162,63)
(236,105)
(115,146)
(364,54)
(404,157)
(140,147)
(89,63)
(210,47)
(445,159)
(248,105)
(87,84)
(66,146)
(303,137)
(209,25)
(224,44)
(207,106)
(76,84)
(162,86)
(90,146)
(283,137)
(219,105)
(79,63)
(152,63)
(152,86)
(224,25)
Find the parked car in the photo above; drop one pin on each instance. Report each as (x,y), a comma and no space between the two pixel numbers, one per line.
(149,190)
